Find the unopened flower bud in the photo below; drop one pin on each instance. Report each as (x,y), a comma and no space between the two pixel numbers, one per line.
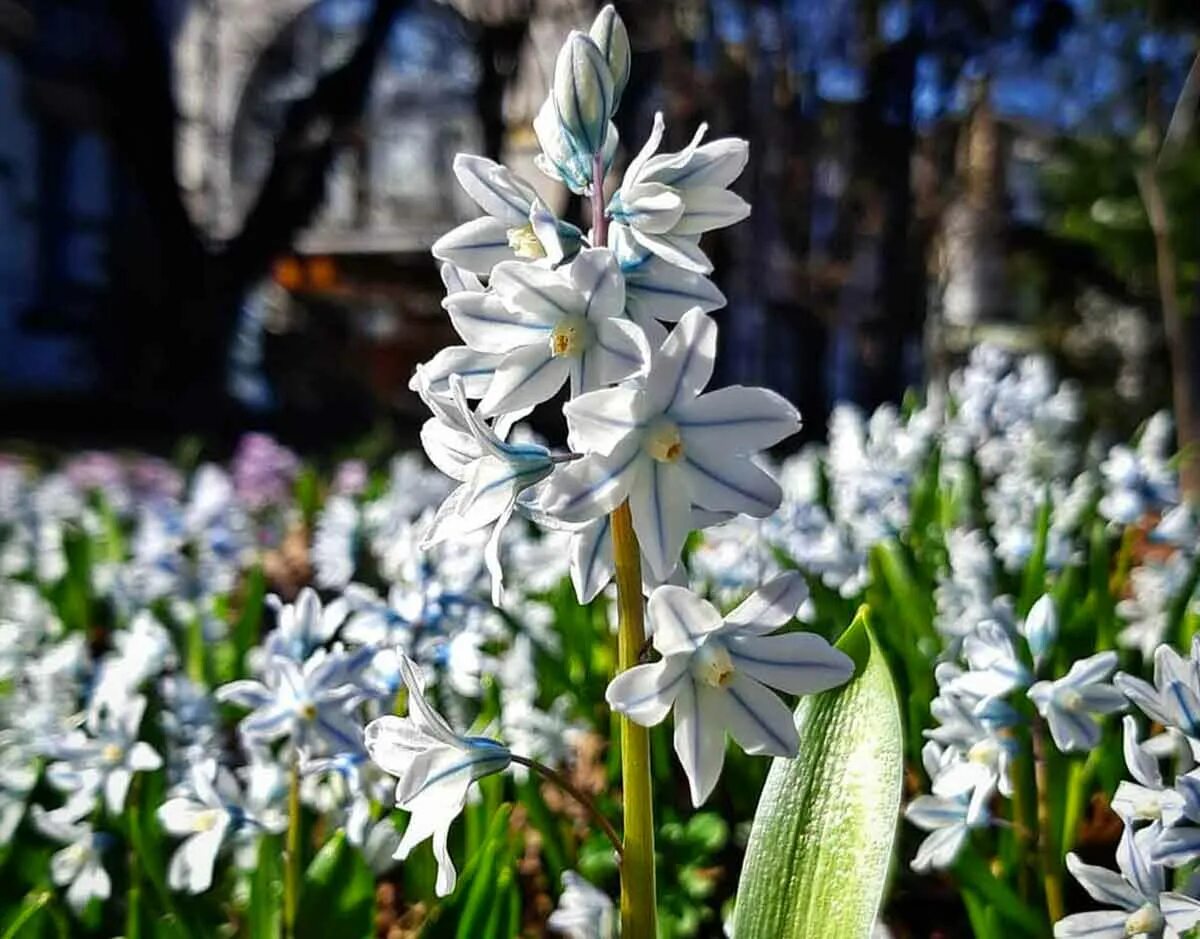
(583,93)
(612,39)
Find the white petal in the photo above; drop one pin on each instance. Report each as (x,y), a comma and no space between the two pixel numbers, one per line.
(707,208)
(657,290)
(1100,924)
(939,850)
(717,163)
(447,875)
(457,279)
(621,351)
(601,420)
(591,559)
(645,693)
(451,451)
(1142,766)
(1133,860)
(770,606)
(495,189)
(649,148)
(477,246)
(1092,669)
(725,482)
(737,419)
(474,368)
(65,865)
(536,291)
(116,788)
(679,619)
(487,325)
(756,718)
(684,364)
(526,377)
(651,207)
(699,739)
(586,489)
(681,250)
(798,663)
(178,816)
(191,867)
(1181,912)
(1072,732)
(143,758)
(1104,886)
(662,514)
(932,813)
(596,275)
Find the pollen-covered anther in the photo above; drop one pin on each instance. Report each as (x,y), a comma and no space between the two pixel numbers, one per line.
(112,754)
(569,337)
(713,666)
(525,243)
(664,442)
(308,711)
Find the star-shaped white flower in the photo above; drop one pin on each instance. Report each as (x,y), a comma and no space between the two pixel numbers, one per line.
(666,447)
(550,325)
(716,674)
(435,767)
(1069,703)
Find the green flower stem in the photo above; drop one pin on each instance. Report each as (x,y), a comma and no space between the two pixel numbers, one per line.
(561,781)
(638,913)
(291,873)
(1051,867)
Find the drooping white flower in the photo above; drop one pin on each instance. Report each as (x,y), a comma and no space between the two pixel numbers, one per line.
(550,326)
(667,201)
(1174,698)
(435,767)
(1143,906)
(1070,703)
(665,447)
(1146,799)
(716,674)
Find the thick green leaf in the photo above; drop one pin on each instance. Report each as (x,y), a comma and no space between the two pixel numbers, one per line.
(338,898)
(819,852)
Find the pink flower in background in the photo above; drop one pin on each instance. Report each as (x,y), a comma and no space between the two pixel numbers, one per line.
(263,471)
(153,477)
(351,478)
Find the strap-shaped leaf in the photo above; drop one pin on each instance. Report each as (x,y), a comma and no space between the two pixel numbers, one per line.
(819,852)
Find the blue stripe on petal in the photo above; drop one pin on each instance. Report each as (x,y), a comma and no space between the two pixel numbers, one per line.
(763,725)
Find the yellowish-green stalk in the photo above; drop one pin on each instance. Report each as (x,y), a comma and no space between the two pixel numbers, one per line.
(1052,880)
(291,872)
(638,913)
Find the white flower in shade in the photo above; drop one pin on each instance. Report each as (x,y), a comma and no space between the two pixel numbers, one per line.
(583,911)
(1147,799)
(208,814)
(666,447)
(104,758)
(435,767)
(716,674)
(517,223)
(667,201)
(78,866)
(492,474)
(1070,703)
(550,326)
(1174,698)
(305,702)
(1143,905)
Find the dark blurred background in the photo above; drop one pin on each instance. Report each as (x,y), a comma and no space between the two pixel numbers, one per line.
(216,214)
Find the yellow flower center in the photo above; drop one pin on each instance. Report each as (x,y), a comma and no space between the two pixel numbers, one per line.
(712,665)
(525,243)
(112,754)
(1146,921)
(1070,700)
(664,443)
(569,337)
(984,752)
(308,711)
(206,820)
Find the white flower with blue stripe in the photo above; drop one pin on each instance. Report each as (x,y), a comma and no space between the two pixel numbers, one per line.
(1070,704)
(550,326)
(434,767)
(666,447)
(716,674)
(1143,906)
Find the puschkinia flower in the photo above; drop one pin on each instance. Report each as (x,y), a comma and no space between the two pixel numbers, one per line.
(1070,703)
(716,674)
(665,447)
(435,768)
(667,201)
(583,911)
(1173,700)
(550,326)
(78,866)
(516,224)
(1143,905)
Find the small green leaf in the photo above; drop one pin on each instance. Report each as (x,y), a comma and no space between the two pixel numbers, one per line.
(265,914)
(338,898)
(819,852)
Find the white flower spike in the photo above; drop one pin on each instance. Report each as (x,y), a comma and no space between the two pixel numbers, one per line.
(716,674)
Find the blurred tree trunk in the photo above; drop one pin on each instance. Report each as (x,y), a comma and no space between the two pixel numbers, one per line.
(185,303)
